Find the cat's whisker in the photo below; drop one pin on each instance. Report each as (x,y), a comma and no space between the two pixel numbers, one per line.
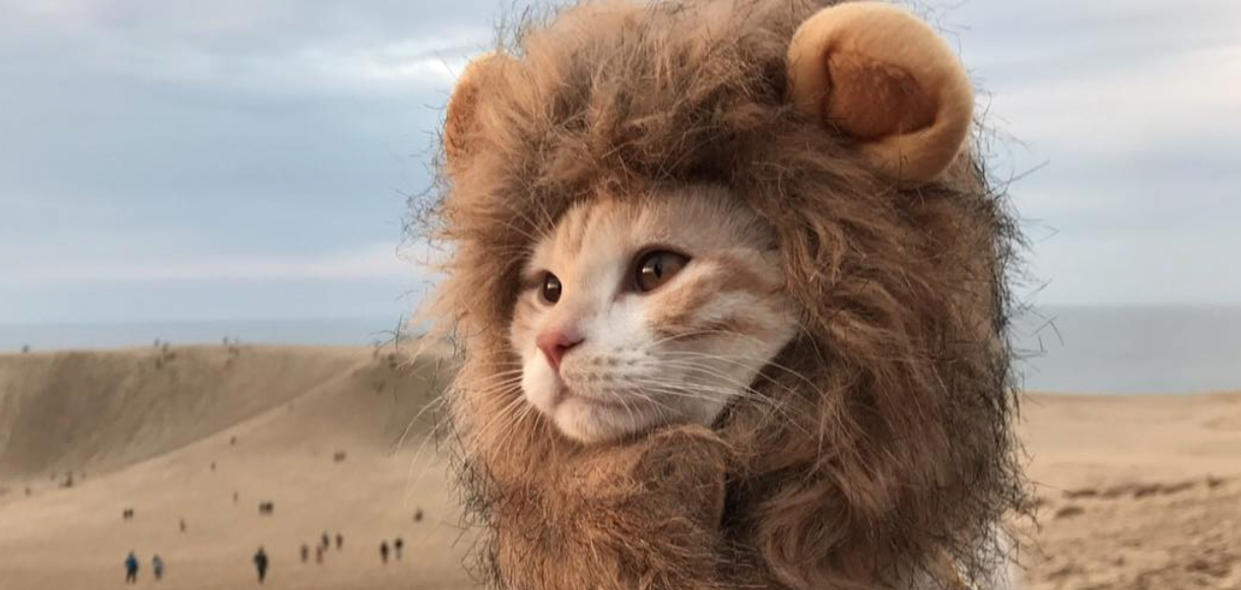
(699,333)
(674,391)
(625,403)
(400,442)
(502,416)
(696,392)
(500,378)
(660,407)
(418,456)
(714,372)
(699,393)
(766,362)
(740,391)
(736,358)
(512,429)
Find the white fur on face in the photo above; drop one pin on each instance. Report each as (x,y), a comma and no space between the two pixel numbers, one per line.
(676,354)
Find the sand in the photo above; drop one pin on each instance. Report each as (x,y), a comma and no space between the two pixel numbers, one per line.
(1135,492)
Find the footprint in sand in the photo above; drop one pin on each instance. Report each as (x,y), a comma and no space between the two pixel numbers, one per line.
(1224,424)
(1069,511)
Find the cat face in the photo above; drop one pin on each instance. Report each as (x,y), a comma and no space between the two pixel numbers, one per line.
(647,312)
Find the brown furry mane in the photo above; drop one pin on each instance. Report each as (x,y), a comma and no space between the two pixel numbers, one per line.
(889,444)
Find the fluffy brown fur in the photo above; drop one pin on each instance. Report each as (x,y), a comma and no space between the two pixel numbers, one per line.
(888,448)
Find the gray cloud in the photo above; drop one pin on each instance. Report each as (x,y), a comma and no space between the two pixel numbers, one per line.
(178,148)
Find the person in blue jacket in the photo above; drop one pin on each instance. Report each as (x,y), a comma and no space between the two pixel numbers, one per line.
(131,569)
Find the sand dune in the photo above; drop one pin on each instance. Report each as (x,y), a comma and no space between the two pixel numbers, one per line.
(1136,492)
(271,420)
(107,409)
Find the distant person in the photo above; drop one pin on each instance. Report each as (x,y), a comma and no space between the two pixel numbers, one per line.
(182,525)
(383,551)
(340,541)
(398,544)
(131,568)
(234,497)
(157,567)
(319,554)
(326,541)
(260,563)
(305,553)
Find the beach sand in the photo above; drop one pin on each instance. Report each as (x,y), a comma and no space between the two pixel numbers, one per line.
(1134,492)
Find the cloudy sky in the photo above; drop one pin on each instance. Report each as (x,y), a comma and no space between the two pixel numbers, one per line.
(250,159)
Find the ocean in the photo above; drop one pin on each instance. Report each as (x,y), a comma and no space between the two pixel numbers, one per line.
(1173,349)
(1097,349)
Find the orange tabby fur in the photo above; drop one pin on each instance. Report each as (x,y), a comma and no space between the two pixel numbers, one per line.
(676,354)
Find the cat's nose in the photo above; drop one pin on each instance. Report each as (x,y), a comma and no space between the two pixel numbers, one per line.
(555,343)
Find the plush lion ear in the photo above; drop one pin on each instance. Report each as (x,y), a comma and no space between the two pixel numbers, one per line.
(885,78)
(463,106)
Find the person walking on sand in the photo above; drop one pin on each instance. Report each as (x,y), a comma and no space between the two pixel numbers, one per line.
(305,553)
(260,563)
(383,551)
(131,568)
(398,544)
(340,541)
(157,567)
(327,542)
(319,554)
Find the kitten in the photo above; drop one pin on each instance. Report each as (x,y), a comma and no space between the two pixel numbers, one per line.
(649,311)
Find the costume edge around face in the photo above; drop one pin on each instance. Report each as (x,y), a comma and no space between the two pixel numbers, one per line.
(843,129)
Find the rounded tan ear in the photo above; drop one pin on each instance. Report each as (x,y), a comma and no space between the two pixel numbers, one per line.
(462,113)
(885,78)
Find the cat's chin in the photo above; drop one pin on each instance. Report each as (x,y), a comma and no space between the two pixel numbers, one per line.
(589,420)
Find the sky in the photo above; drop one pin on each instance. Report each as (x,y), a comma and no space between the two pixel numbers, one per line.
(240,159)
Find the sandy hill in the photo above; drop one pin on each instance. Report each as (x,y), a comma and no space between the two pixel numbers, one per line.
(1136,491)
(173,434)
(103,410)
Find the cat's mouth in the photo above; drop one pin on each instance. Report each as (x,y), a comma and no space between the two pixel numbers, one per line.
(565,394)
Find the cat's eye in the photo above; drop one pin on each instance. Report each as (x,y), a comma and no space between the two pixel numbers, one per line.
(550,291)
(656,268)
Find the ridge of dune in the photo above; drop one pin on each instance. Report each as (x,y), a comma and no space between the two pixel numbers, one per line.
(102,410)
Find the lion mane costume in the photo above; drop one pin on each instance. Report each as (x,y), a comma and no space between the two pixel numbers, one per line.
(847,128)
